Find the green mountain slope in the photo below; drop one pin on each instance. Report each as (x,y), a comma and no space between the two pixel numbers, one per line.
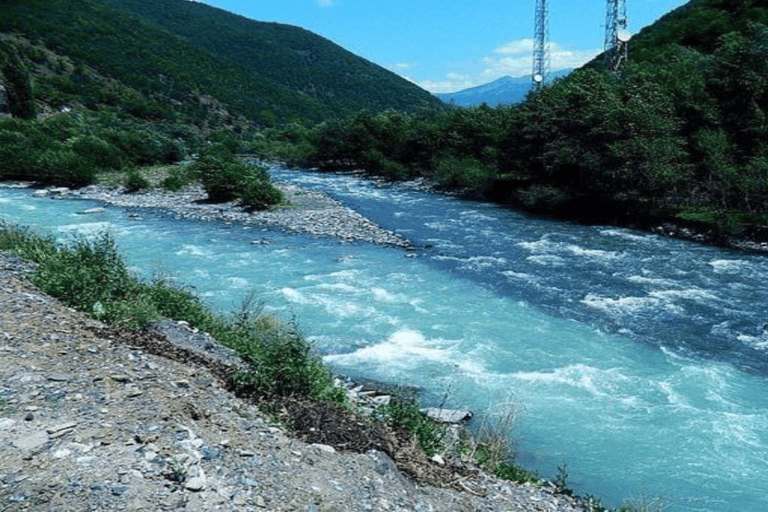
(182,51)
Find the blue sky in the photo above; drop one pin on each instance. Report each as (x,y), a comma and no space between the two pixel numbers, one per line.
(449,45)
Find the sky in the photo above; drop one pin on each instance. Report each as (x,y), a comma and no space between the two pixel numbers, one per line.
(451,45)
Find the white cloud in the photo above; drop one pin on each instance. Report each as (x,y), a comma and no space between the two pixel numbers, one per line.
(326,3)
(404,65)
(516,47)
(513,59)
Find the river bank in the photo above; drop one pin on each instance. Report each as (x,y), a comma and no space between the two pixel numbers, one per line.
(94,418)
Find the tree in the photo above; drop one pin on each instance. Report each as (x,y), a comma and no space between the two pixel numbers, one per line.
(21,102)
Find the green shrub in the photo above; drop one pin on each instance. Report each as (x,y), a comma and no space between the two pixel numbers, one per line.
(404,413)
(226,178)
(280,361)
(179,177)
(260,195)
(96,152)
(134,181)
(462,172)
(85,272)
(16,156)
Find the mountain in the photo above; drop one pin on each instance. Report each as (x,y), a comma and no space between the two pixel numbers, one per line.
(182,52)
(506,90)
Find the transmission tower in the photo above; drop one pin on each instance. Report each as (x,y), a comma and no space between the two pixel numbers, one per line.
(616,34)
(540,44)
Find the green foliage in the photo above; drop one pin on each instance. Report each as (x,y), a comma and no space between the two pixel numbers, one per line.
(227,178)
(70,149)
(135,181)
(178,178)
(281,363)
(514,473)
(90,274)
(85,273)
(404,412)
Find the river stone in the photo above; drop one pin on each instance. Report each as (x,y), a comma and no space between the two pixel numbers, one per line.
(91,211)
(447,415)
(31,441)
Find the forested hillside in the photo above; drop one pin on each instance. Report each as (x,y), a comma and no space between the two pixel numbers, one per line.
(186,51)
(679,134)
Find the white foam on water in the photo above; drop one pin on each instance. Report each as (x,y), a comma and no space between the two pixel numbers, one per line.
(337,288)
(652,281)
(193,250)
(238,282)
(592,254)
(673,397)
(547,259)
(756,342)
(630,305)
(694,294)
(728,266)
(407,349)
(86,228)
(628,235)
(293,295)
(595,381)
(382,295)
(477,216)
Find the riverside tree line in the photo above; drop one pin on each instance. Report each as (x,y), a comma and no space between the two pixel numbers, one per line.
(682,136)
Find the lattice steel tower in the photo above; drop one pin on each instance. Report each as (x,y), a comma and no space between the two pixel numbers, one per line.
(616,34)
(540,43)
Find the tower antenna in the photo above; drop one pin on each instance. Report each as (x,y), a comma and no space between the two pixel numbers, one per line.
(540,43)
(616,34)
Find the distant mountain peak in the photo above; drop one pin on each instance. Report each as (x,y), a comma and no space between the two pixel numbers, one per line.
(504,90)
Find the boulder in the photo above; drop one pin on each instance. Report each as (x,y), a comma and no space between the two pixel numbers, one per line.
(448,415)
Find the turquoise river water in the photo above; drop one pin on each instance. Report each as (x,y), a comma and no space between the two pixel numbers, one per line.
(638,361)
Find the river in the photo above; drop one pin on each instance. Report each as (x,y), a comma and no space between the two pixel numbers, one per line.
(640,362)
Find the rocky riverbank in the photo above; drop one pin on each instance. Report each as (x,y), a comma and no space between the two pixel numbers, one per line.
(309,212)
(93,418)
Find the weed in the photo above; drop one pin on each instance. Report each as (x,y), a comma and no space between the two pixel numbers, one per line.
(402,412)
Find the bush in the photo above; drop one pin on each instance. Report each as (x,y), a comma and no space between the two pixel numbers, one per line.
(16,159)
(279,358)
(178,178)
(404,413)
(260,195)
(96,152)
(227,179)
(462,172)
(135,182)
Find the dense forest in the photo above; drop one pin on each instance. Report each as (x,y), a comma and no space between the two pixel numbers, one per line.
(680,133)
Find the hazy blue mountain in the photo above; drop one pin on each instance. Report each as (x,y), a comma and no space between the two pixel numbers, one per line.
(505,90)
